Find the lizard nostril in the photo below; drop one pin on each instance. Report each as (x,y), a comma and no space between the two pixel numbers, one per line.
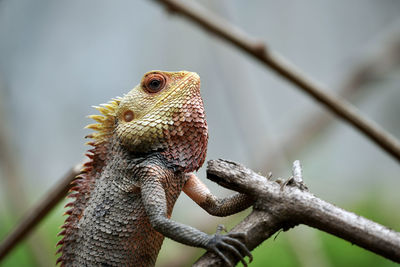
(128,115)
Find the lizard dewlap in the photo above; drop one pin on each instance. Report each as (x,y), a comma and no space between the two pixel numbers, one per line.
(144,148)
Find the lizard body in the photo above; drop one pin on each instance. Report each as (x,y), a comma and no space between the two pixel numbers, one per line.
(145,148)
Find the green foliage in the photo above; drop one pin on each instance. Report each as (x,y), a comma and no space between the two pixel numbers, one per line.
(274,252)
(20,256)
(342,253)
(281,251)
(48,229)
(334,251)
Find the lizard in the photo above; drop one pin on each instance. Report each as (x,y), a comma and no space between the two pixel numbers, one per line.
(145,149)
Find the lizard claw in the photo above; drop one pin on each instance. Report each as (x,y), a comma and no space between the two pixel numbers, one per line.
(229,243)
(221,228)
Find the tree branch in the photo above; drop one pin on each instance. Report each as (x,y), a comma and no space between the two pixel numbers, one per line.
(369,67)
(37,213)
(259,51)
(282,207)
(237,38)
(14,185)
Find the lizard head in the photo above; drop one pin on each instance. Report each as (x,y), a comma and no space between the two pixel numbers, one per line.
(163,113)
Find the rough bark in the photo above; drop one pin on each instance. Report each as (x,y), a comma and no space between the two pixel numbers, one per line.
(285,205)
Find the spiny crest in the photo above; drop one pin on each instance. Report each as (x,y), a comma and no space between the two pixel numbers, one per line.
(81,186)
(106,122)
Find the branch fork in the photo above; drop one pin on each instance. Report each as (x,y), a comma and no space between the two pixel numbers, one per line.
(283,206)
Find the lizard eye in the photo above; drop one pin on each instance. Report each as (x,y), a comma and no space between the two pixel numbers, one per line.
(154,83)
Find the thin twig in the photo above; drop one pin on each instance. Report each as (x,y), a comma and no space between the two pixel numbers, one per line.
(259,51)
(297,172)
(224,31)
(276,209)
(370,67)
(37,213)
(14,185)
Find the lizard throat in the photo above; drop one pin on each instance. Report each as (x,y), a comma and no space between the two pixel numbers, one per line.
(187,139)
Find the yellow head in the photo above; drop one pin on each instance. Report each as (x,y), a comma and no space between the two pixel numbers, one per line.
(163,113)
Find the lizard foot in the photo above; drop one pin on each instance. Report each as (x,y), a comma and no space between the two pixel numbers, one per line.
(231,243)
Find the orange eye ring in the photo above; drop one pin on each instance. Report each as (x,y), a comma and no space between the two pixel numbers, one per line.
(154,82)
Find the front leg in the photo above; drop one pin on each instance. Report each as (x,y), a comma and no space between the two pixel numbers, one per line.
(200,194)
(154,201)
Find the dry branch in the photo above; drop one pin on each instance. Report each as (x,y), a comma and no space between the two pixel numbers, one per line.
(14,185)
(37,213)
(284,207)
(259,51)
(369,67)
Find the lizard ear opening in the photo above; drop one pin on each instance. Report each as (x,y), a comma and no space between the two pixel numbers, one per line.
(128,115)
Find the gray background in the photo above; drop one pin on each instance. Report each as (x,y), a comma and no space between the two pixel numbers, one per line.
(58,58)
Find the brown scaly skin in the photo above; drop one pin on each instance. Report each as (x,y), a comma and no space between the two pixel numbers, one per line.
(146,146)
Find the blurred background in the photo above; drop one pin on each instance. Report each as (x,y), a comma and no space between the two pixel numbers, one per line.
(58,58)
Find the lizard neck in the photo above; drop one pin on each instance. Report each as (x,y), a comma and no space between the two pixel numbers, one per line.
(187,139)
(181,137)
